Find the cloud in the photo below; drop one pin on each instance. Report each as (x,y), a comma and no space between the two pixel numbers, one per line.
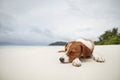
(45,21)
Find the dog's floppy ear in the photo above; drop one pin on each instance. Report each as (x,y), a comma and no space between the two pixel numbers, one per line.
(85,51)
(66,46)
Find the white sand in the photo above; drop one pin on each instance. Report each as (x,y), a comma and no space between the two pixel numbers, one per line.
(42,63)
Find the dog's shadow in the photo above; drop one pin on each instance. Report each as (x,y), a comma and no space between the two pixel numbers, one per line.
(84,60)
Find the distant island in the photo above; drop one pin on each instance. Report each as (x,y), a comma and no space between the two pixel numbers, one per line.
(58,43)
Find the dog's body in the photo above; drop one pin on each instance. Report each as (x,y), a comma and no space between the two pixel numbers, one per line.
(80,48)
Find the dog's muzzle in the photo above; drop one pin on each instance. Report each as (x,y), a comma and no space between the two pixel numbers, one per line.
(64,59)
(61,59)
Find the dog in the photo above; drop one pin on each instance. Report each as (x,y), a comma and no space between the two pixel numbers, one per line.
(81,48)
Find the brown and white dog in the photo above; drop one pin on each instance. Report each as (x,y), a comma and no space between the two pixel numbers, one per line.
(76,49)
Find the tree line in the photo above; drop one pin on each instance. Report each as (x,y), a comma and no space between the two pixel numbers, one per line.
(109,37)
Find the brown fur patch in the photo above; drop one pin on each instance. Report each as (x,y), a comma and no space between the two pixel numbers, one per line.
(76,50)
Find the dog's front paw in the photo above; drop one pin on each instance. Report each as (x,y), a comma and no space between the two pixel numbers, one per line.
(76,62)
(98,59)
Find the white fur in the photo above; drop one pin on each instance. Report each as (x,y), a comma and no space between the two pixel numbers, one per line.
(85,42)
(98,58)
(66,58)
(76,62)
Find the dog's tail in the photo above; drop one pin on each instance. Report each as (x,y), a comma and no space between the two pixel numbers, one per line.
(61,51)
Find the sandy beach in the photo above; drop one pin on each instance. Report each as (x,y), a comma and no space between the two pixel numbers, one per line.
(42,63)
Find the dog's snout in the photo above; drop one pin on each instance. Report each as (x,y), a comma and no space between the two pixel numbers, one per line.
(61,59)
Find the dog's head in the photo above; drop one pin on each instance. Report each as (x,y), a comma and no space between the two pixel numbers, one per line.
(74,50)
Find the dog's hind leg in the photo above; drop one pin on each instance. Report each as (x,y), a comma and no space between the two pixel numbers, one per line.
(98,58)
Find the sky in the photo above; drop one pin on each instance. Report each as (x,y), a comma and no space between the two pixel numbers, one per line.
(46,21)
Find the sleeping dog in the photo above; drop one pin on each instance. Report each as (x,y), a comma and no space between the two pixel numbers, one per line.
(81,48)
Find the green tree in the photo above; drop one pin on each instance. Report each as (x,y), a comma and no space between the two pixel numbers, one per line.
(114,31)
(109,37)
(108,34)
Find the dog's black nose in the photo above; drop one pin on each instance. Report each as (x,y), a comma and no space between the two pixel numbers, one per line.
(61,59)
